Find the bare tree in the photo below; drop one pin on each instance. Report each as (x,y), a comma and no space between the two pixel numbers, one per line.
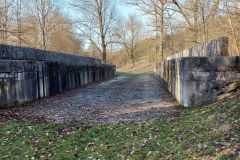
(44,10)
(38,26)
(97,22)
(157,10)
(215,8)
(231,9)
(197,13)
(63,38)
(129,36)
(4,20)
(18,14)
(186,13)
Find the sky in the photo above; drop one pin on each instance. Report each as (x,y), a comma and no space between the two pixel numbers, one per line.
(126,9)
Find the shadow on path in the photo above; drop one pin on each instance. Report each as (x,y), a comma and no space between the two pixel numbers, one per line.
(132,97)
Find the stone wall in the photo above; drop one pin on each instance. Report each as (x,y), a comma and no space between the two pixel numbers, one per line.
(216,47)
(196,81)
(29,74)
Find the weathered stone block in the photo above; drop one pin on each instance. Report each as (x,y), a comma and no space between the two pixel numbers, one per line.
(216,47)
(238,62)
(201,76)
(27,74)
(226,76)
(5,66)
(224,63)
(198,80)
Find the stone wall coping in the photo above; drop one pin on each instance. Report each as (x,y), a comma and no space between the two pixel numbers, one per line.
(8,52)
(216,47)
(220,63)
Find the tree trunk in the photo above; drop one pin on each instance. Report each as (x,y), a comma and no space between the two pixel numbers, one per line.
(156,56)
(195,29)
(44,40)
(19,21)
(104,54)
(204,24)
(233,33)
(157,51)
(5,21)
(162,32)
(132,59)
(149,56)
(101,29)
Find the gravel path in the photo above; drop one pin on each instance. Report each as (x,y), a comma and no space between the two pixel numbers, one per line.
(123,99)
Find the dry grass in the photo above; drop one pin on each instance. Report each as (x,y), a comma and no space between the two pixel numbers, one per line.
(142,66)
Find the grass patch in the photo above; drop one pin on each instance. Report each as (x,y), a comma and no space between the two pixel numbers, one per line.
(210,132)
(134,74)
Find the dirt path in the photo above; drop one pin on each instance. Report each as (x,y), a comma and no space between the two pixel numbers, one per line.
(125,98)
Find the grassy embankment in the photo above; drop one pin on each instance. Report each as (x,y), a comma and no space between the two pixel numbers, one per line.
(208,132)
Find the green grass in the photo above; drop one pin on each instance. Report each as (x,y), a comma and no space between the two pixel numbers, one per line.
(196,133)
(134,73)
